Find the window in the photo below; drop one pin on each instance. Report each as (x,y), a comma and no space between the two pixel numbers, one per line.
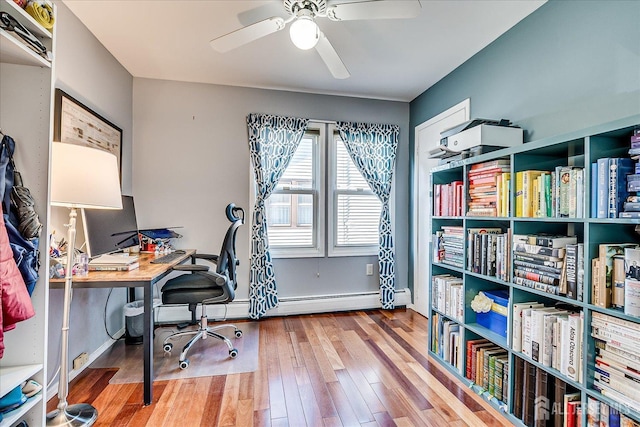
(355,208)
(296,209)
(293,211)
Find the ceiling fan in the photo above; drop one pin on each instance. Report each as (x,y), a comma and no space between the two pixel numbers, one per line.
(306,34)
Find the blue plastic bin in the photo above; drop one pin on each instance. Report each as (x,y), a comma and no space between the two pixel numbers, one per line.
(493,320)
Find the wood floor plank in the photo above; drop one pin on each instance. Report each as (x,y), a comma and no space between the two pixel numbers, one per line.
(362,368)
(229,401)
(358,380)
(318,384)
(244,413)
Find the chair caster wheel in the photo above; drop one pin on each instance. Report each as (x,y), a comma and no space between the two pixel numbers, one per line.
(184,364)
(238,333)
(233,353)
(167,347)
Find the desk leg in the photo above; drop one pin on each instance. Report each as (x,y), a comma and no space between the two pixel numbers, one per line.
(148,344)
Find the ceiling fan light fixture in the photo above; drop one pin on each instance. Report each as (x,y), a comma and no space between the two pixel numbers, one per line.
(304,32)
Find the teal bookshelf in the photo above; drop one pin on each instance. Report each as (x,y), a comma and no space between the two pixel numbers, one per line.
(579,149)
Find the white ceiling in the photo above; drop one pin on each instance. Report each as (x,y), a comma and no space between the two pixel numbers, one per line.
(387,59)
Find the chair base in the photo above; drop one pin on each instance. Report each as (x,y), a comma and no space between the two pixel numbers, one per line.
(203,332)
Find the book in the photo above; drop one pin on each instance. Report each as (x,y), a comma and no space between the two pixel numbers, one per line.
(569,408)
(618,276)
(518,386)
(542,409)
(619,168)
(560,389)
(594,190)
(538,250)
(632,297)
(571,365)
(603,187)
(571,262)
(551,241)
(114,267)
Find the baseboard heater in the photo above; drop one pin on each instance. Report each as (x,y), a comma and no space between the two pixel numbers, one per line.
(239,309)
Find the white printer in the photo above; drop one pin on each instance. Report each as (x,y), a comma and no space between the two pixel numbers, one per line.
(479,135)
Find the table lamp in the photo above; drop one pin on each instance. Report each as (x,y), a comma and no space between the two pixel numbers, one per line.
(81,177)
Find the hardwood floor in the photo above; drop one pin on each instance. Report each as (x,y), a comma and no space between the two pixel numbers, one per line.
(365,368)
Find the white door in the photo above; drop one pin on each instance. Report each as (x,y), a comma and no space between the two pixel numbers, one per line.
(427,137)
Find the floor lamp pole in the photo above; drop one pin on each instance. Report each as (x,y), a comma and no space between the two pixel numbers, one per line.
(80,414)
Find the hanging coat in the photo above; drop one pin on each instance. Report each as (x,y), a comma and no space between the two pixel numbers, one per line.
(15,303)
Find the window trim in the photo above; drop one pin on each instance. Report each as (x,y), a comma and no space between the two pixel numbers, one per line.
(318,193)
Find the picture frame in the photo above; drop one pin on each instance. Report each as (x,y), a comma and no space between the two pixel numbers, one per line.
(75,123)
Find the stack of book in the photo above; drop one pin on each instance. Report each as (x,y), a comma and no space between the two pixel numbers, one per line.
(617,361)
(448,246)
(548,194)
(631,207)
(488,251)
(541,399)
(539,263)
(550,336)
(599,414)
(447,341)
(608,273)
(448,199)
(487,366)
(483,181)
(447,296)
(610,186)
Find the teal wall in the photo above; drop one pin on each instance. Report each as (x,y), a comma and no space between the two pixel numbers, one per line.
(570,65)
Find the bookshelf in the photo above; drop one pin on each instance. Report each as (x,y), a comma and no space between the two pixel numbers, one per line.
(26,85)
(577,150)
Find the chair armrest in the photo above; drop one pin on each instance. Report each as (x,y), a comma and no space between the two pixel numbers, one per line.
(206,257)
(190,267)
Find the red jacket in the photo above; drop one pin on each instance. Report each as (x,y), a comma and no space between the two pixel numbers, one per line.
(15,303)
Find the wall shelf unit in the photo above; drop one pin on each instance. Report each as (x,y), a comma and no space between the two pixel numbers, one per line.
(579,149)
(26,84)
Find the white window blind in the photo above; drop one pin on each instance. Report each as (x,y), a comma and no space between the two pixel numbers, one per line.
(357,208)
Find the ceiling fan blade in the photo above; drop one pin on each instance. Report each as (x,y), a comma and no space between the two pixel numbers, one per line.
(377,9)
(331,58)
(247,34)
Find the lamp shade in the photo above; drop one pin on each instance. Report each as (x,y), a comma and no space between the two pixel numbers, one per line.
(84,177)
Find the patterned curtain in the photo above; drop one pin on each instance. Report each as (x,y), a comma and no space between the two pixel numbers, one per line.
(272,142)
(372,148)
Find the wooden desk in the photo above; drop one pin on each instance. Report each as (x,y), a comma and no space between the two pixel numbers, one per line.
(143,277)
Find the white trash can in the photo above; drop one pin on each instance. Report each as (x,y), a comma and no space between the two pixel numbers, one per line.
(134,319)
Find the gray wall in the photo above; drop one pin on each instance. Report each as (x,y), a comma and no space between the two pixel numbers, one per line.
(87,71)
(568,66)
(191,158)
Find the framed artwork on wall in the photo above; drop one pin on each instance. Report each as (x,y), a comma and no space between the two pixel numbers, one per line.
(75,123)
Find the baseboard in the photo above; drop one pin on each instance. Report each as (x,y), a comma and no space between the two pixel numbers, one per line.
(239,309)
(52,390)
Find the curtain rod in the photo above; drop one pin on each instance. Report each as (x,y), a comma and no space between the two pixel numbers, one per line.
(329,122)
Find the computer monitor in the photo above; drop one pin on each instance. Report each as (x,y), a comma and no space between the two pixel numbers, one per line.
(110,230)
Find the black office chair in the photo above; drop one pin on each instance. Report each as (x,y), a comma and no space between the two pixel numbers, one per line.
(203,286)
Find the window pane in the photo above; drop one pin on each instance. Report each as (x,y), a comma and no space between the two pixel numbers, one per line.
(348,177)
(296,233)
(305,210)
(358,217)
(299,173)
(279,210)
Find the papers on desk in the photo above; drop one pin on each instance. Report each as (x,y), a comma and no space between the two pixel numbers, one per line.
(114,267)
(114,260)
